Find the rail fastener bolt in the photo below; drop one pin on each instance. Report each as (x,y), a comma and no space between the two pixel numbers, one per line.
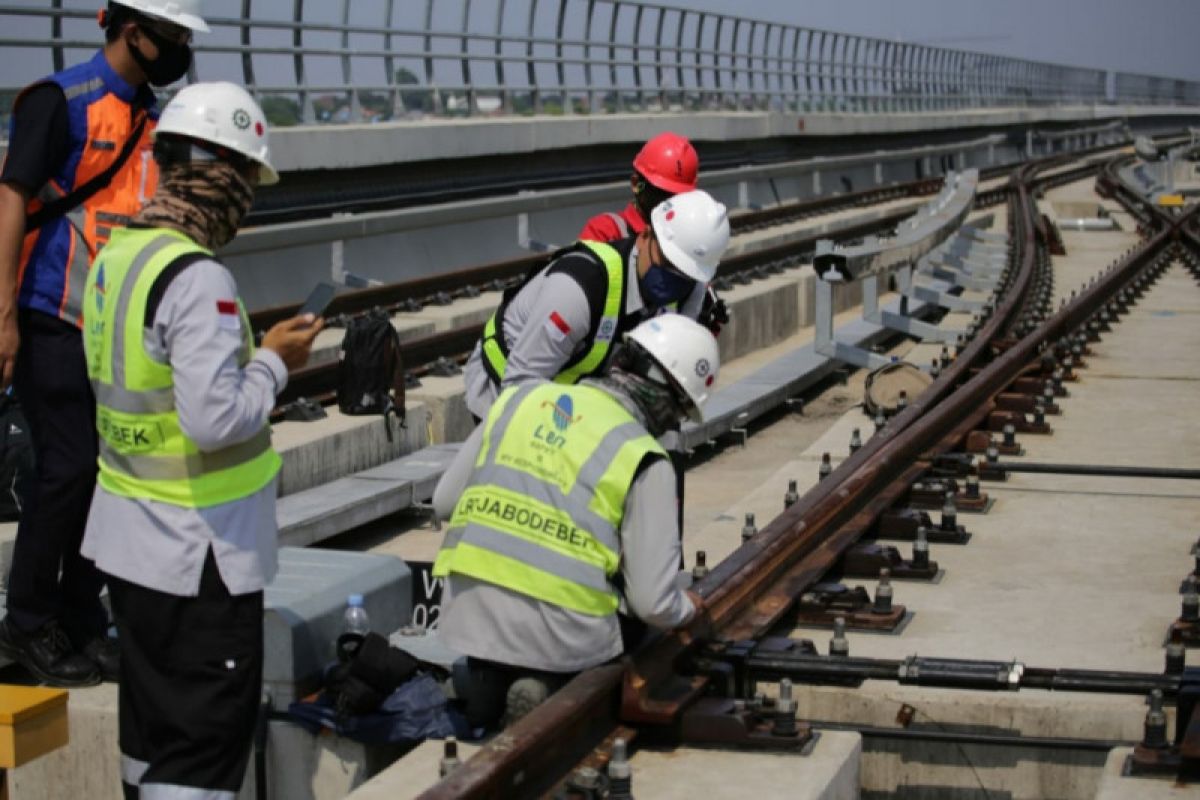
(920,551)
(855,441)
(972,490)
(701,569)
(785,711)
(449,761)
(792,496)
(1154,734)
(839,645)
(950,509)
(1176,654)
(883,594)
(1191,605)
(749,529)
(620,774)
(825,468)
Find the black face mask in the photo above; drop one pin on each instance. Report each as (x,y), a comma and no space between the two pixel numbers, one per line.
(172,63)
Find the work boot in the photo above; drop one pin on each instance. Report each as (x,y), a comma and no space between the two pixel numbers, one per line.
(105,653)
(48,655)
(524,696)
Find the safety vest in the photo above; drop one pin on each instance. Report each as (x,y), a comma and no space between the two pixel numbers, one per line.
(591,359)
(542,513)
(144,452)
(103,111)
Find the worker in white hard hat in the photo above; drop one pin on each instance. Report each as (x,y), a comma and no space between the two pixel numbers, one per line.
(561,322)
(78,167)
(561,510)
(183,519)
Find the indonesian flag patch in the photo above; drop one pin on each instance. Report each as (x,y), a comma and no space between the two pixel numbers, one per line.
(227,315)
(557,327)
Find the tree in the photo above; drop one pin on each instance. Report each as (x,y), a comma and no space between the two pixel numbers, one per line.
(281,111)
(414,100)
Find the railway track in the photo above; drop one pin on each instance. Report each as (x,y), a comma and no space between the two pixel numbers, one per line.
(684,686)
(439,353)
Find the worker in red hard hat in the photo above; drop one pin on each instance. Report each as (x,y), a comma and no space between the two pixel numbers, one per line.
(666,166)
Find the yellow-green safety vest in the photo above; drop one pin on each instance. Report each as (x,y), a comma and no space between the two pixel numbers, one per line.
(591,360)
(543,511)
(144,452)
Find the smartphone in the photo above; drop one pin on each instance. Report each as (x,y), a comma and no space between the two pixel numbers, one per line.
(318,300)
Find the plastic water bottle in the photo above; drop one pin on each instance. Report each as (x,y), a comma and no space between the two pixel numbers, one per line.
(355,627)
(355,619)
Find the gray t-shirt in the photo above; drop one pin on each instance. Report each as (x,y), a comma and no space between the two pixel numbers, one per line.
(487,621)
(163,546)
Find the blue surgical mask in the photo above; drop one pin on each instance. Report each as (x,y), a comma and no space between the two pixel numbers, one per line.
(661,286)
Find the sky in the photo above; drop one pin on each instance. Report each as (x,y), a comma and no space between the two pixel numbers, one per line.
(1150,36)
(1157,37)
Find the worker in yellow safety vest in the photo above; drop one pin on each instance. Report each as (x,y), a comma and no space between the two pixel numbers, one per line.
(183,519)
(562,510)
(560,323)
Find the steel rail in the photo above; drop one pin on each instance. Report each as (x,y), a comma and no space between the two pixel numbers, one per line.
(317,383)
(749,592)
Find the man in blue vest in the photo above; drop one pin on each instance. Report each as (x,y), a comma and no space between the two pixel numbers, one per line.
(78,167)
(562,510)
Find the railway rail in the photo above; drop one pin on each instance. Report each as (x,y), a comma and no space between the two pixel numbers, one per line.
(696,685)
(439,352)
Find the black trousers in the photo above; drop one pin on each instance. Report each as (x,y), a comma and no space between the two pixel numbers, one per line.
(49,578)
(191,684)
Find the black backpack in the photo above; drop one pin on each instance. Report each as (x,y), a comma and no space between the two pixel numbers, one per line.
(16,458)
(371,371)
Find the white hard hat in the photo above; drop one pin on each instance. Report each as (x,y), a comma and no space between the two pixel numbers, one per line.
(179,12)
(693,231)
(686,351)
(224,114)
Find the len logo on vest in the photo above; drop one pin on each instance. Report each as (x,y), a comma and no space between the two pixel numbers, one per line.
(100,288)
(562,415)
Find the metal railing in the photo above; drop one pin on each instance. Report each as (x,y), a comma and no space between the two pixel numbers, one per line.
(372,60)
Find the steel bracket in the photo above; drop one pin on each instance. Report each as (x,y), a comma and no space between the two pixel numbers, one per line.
(825,602)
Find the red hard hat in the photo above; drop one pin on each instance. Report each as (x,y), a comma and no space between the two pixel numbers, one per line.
(669,162)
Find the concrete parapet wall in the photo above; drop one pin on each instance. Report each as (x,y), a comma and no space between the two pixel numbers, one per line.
(319,452)
(349,146)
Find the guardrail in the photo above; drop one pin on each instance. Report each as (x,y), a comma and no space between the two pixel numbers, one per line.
(338,61)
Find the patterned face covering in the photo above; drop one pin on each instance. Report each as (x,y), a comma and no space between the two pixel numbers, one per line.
(656,402)
(205,200)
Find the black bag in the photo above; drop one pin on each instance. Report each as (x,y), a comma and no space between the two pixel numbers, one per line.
(16,458)
(369,670)
(371,372)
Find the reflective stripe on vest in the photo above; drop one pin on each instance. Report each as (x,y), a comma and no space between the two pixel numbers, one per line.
(144,452)
(592,359)
(547,497)
(55,258)
(622,226)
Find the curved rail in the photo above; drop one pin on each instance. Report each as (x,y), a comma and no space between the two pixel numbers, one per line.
(756,585)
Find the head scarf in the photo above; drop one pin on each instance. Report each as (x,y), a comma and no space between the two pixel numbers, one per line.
(205,200)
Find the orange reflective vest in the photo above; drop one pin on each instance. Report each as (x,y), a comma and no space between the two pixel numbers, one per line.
(103,111)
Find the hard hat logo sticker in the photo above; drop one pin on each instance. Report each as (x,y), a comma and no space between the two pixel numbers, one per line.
(241,118)
(703,368)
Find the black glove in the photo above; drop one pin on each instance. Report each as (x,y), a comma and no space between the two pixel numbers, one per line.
(713,313)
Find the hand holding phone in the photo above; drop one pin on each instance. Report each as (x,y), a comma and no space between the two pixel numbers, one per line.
(318,300)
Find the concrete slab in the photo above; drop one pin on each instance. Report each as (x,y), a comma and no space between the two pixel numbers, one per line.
(829,772)
(1117,786)
(412,774)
